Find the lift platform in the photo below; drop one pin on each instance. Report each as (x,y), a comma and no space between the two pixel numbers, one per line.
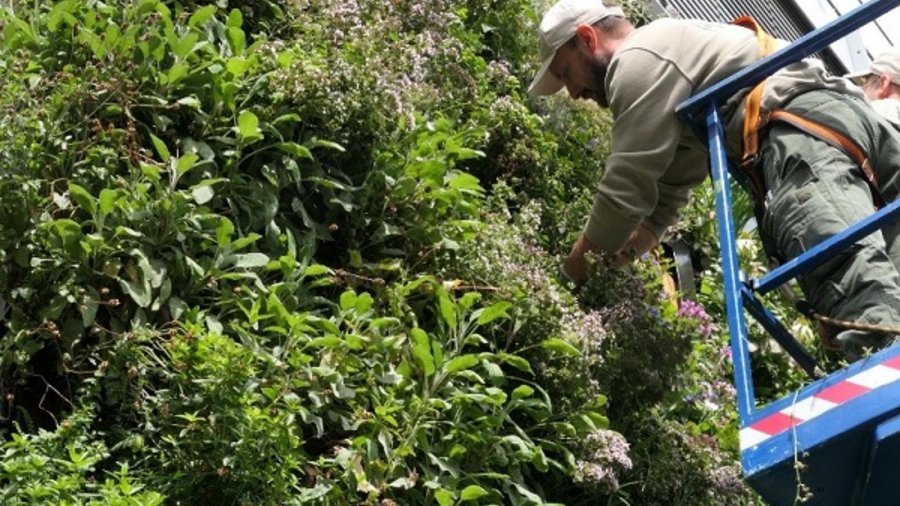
(836,441)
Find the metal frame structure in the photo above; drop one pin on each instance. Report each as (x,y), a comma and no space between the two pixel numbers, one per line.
(844,428)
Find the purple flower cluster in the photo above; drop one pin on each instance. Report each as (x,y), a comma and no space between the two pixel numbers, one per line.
(693,310)
(604,456)
(713,395)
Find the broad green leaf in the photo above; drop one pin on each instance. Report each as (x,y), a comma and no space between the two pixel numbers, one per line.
(290,117)
(460,363)
(250,260)
(175,74)
(248,126)
(292,148)
(465,181)
(151,172)
(472,492)
(88,311)
(493,312)
(448,310)
(185,163)
(139,291)
(191,101)
(522,392)
(348,300)
(108,199)
(243,242)
(515,361)
(444,497)
(185,45)
(161,148)
(201,15)
(235,18)
(84,199)
(326,342)
(320,143)
(363,303)
(238,66)
(561,346)
(237,39)
(422,351)
(531,496)
(317,270)
(224,232)
(202,194)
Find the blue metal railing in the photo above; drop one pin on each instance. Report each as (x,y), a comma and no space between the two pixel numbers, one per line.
(701,113)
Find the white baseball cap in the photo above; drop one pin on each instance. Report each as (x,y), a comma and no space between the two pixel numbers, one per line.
(885,64)
(557,27)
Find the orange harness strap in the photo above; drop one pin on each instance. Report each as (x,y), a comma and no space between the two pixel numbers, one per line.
(752,109)
(755,120)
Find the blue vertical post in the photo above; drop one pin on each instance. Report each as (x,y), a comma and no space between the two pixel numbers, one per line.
(740,354)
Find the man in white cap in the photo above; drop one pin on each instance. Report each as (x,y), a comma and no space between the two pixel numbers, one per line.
(813,189)
(882,84)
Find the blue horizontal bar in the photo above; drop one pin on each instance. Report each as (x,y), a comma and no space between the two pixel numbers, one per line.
(813,257)
(799,49)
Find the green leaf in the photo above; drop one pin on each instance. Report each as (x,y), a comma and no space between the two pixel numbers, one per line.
(348,300)
(561,346)
(448,310)
(175,74)
(201,15)
(465,181)
(422,351)
(472,492)
(108,199)
(224,232)
(84,199)
(202,194)
(522,392)
(493,312)
(238,66)
(139,292)
(248,126)
(191,101)
(250,260)
(316,270)
(292,148)
(237,39)
(319,143)
(444,497)
(461,362)
(515,361)
(160,147)
(185,163)
(235,19)
(363,303)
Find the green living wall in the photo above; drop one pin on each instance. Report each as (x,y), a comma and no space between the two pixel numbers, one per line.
(306,252)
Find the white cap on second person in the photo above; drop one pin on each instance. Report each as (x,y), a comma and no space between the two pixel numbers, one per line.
(557,27)
(885,64)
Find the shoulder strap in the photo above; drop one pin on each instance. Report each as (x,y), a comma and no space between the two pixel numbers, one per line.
(836,139)
(752,104)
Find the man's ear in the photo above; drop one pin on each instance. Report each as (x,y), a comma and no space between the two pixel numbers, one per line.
(883,86)
(588,39)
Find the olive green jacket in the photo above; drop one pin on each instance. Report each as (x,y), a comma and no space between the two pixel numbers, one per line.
(656,160)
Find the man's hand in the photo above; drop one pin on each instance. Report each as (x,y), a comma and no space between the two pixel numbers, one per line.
(639,242)
(575,268)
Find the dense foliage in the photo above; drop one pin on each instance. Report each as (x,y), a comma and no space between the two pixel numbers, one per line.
(306,252)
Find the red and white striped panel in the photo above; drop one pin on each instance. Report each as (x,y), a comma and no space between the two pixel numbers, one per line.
(820,402)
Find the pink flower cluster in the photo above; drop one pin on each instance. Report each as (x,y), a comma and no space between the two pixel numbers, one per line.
(693,310)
